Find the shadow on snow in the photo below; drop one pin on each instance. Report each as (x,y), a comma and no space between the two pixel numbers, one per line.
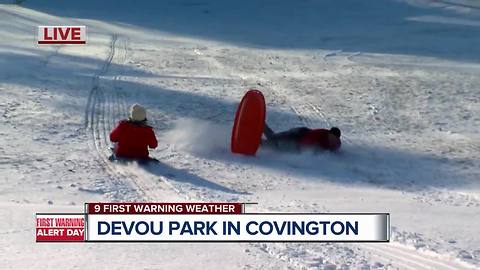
(350,25)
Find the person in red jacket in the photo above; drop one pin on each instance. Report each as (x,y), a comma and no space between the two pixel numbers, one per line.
(133,137)
(297,139)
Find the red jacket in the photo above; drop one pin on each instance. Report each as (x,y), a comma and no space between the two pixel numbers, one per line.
(133,139)
(322,138)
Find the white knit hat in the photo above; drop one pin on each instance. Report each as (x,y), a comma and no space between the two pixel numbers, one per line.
(137,113)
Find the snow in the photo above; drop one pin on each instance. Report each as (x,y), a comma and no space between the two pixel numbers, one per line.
(400,79)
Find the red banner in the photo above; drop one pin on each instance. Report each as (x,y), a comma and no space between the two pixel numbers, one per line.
(164,208)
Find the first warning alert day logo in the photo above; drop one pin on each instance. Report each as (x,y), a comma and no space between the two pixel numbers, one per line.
(60,227)
(206,222)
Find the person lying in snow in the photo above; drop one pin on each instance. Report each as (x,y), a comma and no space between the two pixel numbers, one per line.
(133,137)
(297,139)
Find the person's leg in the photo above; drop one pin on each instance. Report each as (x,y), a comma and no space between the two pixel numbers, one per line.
(147,160)
(292,134)
(269,133)
(285,138)
(271,141)
(112,149)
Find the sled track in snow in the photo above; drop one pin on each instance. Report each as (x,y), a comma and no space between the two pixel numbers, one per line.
(106,105)
(92,120)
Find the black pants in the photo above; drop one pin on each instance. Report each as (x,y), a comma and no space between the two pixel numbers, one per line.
(291,136)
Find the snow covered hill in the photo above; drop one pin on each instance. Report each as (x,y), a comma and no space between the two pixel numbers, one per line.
(400,78)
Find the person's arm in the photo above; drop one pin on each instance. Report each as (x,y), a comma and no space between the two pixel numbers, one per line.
(152,142)
(116,132)
(334,143)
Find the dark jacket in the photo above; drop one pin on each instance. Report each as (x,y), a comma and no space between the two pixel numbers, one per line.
(321,138)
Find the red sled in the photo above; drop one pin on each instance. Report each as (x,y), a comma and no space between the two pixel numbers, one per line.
(249,123)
